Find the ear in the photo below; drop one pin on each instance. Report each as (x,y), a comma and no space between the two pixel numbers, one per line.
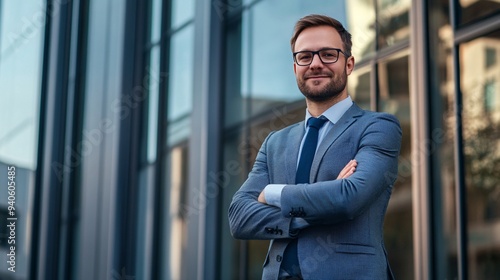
(349,65)
(295,68)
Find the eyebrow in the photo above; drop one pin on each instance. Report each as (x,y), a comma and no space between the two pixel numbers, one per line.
(324,48)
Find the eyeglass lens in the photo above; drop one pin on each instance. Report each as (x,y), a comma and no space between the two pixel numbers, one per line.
(326,56)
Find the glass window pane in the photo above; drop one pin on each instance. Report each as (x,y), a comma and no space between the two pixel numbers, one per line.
(393,22)
(472,10)
(481,133)
(22,25)
(175,209)
(20,77)
(156,8)
(359,87)
(182,12)
(394,94)
(361,25)
(180,85)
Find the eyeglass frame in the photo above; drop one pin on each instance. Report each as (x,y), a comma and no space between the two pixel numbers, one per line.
(317,52)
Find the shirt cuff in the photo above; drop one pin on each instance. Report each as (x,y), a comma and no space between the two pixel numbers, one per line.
(272,194)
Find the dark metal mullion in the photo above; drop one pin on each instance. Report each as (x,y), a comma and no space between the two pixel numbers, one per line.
(374,82)
(374,87)
(161,142)
(460,175)
(213,255)
(472,31)
(53,126)
(244,245)
(74,126)
(129,158)
(39,175)
(459,155)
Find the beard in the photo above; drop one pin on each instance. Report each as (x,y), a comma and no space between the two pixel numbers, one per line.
(331,90)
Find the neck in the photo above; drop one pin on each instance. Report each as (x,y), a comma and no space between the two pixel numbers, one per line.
(318,108)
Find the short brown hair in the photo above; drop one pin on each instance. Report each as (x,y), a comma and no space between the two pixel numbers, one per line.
(320,20)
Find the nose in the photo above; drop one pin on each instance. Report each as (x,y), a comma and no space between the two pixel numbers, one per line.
(316,61)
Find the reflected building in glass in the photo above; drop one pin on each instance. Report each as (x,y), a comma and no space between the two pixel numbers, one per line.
(131,124)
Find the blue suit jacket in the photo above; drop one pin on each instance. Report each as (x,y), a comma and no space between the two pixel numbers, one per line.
(345,236)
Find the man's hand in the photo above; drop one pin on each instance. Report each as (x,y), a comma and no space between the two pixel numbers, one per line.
(348,170)
(262,198)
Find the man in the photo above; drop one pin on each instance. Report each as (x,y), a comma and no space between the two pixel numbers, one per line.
(328,223)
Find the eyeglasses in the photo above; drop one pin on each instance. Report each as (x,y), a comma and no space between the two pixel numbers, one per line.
(327,56)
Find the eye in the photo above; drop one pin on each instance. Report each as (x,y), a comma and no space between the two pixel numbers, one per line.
(329,54)
(303,56)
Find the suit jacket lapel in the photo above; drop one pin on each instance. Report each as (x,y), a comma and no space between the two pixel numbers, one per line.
(338,128)
(292,151)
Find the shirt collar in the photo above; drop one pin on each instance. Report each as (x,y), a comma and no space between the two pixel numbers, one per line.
(334,113)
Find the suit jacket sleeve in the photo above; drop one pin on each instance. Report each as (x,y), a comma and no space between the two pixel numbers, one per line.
(250,219)
(335,201)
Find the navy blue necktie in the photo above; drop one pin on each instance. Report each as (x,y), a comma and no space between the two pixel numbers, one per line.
(308,150)
(290,259)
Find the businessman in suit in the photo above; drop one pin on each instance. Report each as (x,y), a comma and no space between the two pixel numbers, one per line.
(324,218)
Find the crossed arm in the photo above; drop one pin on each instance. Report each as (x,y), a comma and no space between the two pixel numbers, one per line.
(326,202)
(347,171)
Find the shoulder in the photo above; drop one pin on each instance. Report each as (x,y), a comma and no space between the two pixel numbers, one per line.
(293,128)
(383,128)
(371,116)
(288,133)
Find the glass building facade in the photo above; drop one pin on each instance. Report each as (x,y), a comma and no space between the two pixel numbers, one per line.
(131,124)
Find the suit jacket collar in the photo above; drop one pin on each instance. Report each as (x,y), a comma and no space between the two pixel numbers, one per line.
(296,134)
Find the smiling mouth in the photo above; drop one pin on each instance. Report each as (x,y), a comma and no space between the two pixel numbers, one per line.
(317,77)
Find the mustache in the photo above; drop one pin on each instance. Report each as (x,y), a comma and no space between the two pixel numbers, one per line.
(315,74)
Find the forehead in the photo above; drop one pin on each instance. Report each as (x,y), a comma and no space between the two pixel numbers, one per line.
(314,38)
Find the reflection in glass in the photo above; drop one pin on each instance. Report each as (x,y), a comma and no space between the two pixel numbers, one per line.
(393,21)
(394,94)
(481,133)
(180,85)
(472,10)
(361,25)
(176,211)
(359,87)
(182,12)
(234,153)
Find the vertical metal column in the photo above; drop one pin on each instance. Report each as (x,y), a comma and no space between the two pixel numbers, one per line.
(205,138)
(420,159)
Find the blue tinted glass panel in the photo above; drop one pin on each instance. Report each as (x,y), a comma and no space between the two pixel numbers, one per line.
(180,89)
(22,25)
(182,12)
